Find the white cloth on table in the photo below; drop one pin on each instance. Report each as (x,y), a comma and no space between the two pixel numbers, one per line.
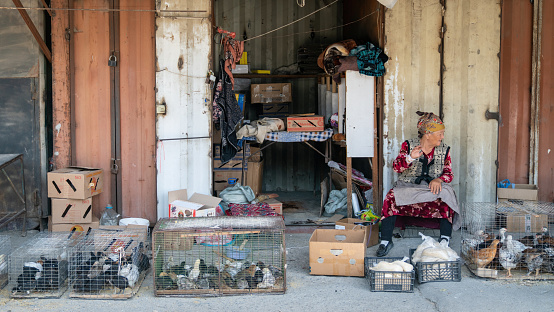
(260,128)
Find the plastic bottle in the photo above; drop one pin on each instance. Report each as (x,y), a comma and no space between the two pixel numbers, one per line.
(109,216)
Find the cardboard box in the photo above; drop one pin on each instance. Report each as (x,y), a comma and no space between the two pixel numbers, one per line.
(275,109)
(206,205)
(236,164)
(276,205)
(520,191)
(112,237)
(271,93)
(254,176)
(240,69)
(337,252)
(255,154)
(528,223)
(305,123)
(246,149)
(68,227)
(371,231)
(75,182)
(71,210)
(221,178)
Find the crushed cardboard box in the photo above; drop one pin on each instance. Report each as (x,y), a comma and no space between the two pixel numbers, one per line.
(75,182)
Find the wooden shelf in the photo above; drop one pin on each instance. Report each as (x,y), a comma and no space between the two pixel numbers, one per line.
(277,76)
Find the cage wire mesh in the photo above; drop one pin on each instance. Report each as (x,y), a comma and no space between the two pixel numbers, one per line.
(219,256)
(109,264)
(509,240)
(5,249)
(38,268)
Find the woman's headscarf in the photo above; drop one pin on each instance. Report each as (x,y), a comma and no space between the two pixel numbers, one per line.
(428,122)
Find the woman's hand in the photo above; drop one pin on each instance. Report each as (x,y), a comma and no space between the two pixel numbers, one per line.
(416,152)
(435,186)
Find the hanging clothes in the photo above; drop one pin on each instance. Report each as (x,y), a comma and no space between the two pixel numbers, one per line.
(371,59)
(232,52)
(230,114)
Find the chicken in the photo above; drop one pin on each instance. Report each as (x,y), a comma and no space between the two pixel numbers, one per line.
(195,272)
(484,256)
(533,259)
(131,273)
(510,254)
(185,283)
(502,235)
(545,240)
(268,279)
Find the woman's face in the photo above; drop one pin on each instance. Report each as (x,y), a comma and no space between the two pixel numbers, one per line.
(435,138)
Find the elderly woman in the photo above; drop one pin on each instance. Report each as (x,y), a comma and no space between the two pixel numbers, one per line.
(422,189)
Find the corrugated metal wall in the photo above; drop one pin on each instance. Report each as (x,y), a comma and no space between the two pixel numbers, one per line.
(288,167)
(471,80)
(546,105)
(413,75)
(470,85)
(515,90)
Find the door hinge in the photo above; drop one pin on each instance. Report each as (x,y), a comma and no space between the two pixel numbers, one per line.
(116,164)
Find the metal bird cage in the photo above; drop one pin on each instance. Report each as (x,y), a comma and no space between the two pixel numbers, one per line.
(219,256)
(5,249)
(38,268)
(526,222)
(109,264)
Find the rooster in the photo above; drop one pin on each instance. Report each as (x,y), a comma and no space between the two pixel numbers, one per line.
(510,254)
(484,256)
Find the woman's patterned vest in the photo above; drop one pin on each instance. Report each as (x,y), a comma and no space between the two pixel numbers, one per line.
(420,170)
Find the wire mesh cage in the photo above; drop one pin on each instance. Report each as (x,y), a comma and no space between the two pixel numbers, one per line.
(38,268)
(109,264)
(388,281)
(509,240)
(5,249)
(219,256)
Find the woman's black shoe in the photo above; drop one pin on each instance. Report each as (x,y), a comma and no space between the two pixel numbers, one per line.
(384,250)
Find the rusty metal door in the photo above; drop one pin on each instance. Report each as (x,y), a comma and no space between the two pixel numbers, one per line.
(113,106)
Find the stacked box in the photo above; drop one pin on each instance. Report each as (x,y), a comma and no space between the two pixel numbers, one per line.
(233,171)
(110,263)
(219,256)
(38,268)
(71,191)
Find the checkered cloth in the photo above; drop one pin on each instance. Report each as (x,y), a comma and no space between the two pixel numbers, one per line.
(283,136)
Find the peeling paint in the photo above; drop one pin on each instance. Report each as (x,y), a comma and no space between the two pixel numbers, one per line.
(58,127)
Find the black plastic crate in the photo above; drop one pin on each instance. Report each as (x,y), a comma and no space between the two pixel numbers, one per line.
(440,271)
(388,281)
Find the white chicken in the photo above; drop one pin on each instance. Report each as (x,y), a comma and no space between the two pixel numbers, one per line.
(131,273)
(195,272)
(268,280)
(510,254)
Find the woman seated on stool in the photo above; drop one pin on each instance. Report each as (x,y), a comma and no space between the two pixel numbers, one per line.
(422,189)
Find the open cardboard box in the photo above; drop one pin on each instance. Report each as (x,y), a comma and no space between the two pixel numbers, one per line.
(337,252)
(371,230)
(198,205)
(519,191)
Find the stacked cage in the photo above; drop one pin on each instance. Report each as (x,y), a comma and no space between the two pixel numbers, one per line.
(5,249)
(219,256)
(509,240)
(109,264)
(38,268)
